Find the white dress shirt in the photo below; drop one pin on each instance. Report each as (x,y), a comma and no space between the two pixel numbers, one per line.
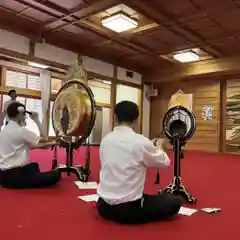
(15,142)
(125,156)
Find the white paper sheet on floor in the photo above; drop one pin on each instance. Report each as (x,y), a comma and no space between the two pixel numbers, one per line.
(187,211)
(89,198)
(86,185)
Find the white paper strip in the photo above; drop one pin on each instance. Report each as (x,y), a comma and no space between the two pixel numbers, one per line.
(187,211)
(89,198)
(86,185)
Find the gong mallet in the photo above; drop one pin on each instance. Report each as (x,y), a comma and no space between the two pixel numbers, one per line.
(179,125)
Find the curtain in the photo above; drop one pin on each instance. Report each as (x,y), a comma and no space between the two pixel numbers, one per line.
(45,79)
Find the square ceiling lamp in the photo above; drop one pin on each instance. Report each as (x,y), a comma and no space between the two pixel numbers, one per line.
(119,22)
(186,57)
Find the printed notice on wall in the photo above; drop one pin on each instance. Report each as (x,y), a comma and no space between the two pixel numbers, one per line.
(207,113)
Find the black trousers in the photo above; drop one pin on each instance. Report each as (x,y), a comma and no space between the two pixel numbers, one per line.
(29,176)
(150,208)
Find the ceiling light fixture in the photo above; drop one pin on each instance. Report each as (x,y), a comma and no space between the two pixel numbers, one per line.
(38,65)
(119,22)
(185,57)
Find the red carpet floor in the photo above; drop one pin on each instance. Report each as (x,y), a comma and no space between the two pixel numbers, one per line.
(58,214)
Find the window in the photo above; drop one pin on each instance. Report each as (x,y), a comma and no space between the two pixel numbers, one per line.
(23,81)
(102,125)
(127,93)
(51,132)
(5,98)
(35,106)
(106,127)
(33,82)
(101,91)
(96,134)
(56,84)
(16,79)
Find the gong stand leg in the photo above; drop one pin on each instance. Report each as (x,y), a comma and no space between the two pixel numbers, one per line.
(78,171)
(54,160)
(177,187)
(86,168)
(69,160)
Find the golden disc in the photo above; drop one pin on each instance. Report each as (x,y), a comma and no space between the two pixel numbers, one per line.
(78,104)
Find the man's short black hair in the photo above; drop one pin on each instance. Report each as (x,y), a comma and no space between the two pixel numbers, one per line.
(126,111)
(11,91)
(12,109)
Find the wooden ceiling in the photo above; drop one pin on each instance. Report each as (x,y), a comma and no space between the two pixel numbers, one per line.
(165,27)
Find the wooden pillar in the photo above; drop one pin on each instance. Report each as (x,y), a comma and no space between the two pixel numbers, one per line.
(140,97)
(31,52)
(222,120)
(113,97)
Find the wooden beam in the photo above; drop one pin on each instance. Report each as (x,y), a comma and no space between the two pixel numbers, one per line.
(104,33)
(36,7)
(31,58)
(140,97)
(160,17)
(113,98)
(32,47)
(23,26)
(223,116)
(83,11)
(23,59)
(33,30)
(3,76)
(114,37)
(210,68)
(21,92)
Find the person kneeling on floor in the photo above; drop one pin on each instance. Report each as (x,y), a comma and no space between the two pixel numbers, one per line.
(125,156)
(15,143)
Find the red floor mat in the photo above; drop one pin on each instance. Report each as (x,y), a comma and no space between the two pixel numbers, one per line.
(57,213)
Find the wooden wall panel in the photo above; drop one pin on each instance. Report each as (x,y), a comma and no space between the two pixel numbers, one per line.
(206,137)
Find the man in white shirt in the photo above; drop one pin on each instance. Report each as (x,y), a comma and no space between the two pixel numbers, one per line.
(125,157)
(13,96)
(15,143)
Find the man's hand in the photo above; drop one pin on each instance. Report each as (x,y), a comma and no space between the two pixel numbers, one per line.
(43,145)
(51,143)
(34,116)
(161,143)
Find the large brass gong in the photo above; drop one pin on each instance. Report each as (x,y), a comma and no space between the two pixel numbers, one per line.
(73,114)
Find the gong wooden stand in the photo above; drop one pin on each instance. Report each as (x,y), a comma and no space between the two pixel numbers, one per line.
(82,172)
(177,132)
(177,187)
